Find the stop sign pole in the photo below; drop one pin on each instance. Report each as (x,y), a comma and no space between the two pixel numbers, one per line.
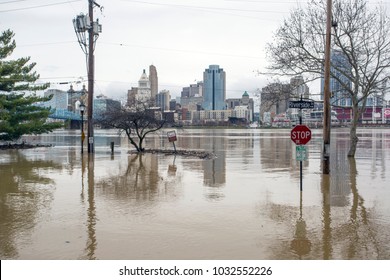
(300,135)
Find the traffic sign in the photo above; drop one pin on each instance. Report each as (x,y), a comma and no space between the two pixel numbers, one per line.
(300,134)
(387,112)
(172,136)
(301,104)
(301,152)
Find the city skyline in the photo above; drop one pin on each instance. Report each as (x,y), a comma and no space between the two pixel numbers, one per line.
(180,37)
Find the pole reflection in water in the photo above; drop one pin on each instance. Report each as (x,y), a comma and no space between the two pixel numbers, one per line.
(91,244)
(326,217)
(242,205)
(301,245)
(354,235)
(172,168)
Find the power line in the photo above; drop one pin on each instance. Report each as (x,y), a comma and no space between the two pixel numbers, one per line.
(8,2)
(180,50)
(202,7)
(143,47)
(40,6)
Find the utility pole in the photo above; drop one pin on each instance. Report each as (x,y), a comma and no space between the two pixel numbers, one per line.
(327,109)
(84,24)
(91,74)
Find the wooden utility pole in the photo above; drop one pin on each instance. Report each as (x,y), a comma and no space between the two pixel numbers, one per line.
(327,109)
(91,69)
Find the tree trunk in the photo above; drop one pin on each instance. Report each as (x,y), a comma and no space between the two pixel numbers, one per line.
(141,140)
(132,142)
(135,145)
(353,131)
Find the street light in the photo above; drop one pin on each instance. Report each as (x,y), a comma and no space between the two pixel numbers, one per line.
(82,109)
(83,25)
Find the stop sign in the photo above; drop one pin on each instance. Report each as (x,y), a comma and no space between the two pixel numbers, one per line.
(300,134)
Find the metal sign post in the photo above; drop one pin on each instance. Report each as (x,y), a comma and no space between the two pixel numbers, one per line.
(172,138)
(301,135)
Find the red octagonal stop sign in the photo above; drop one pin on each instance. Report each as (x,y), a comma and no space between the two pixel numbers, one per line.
(300,134)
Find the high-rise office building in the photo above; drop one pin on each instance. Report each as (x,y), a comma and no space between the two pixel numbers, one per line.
(153,79)
(299,88)
(339,82)
(194,90)
(214,88)
(162,100)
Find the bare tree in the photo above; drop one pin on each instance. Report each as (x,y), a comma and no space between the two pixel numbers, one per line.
(360,34)
(137,120)
(275,97)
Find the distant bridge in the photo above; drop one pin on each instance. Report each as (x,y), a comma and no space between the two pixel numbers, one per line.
(64,114)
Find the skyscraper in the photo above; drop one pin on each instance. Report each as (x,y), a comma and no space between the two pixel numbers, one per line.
(162,100)
(214,88)
(339,82)
(153,79)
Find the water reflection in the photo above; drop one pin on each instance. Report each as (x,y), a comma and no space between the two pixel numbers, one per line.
(91,244)
(348,236)
(301,245)
(26,190)
(275,155)
(326,218)
(139,179)
(172,168)
(215,170)
(245,204)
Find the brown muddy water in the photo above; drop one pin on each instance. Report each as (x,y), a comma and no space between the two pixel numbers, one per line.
(244,204)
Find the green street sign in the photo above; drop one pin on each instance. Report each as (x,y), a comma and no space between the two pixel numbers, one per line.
(301,153)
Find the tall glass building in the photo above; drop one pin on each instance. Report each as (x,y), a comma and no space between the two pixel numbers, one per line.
(340,68)
(214,88)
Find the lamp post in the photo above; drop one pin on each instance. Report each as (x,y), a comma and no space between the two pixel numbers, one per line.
(82,109)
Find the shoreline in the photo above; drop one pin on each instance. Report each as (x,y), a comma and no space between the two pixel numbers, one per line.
(23,145)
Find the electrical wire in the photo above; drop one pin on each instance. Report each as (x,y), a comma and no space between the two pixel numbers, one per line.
(40,6)
(202,7)
(8,2)
(178,50)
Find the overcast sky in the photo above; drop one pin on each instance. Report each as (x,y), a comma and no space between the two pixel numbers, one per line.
(180,37)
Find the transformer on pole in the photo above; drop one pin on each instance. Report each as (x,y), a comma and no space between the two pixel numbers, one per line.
(83,25)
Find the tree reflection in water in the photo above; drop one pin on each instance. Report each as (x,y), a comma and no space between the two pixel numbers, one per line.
(140,180)
(349,229)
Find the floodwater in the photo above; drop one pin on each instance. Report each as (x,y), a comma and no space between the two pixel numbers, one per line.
(244,204)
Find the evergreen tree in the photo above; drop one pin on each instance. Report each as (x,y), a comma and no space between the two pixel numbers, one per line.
(19,113)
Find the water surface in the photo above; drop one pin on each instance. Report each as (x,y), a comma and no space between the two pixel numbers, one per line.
(245,204)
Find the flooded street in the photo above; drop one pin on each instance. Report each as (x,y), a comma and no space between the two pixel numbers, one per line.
(244,204)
